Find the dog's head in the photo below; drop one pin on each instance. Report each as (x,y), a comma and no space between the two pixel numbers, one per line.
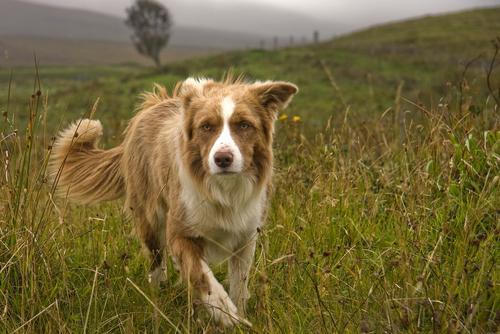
(228,127)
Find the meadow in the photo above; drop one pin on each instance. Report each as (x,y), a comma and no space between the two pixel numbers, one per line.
(385,209)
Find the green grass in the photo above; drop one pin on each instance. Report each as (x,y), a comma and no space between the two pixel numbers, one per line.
(384,216)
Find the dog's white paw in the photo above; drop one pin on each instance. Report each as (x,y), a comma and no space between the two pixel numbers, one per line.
(222,308)
(218,303)
(157,276)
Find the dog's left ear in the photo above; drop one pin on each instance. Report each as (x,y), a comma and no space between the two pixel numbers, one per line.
(274,95)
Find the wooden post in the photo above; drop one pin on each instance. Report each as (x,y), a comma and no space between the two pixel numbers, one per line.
(316,37)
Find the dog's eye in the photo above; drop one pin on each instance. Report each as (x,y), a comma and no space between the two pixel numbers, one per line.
(244,125)
(206,127)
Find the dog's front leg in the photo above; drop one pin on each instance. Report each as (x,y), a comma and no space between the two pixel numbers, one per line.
(188,254)
(239,270)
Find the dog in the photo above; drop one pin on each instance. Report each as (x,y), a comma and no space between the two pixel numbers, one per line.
(195,169)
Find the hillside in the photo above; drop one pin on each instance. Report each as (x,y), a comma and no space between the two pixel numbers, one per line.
(384,210)
(20,18)
(63,36)
(458,36)
(249,17)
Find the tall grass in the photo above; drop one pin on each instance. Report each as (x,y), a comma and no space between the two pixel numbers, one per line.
(393,220)
(380,222)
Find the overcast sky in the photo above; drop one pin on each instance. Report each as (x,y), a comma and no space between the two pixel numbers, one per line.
(343,15)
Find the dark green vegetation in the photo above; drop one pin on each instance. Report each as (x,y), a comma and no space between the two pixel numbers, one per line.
(385,211)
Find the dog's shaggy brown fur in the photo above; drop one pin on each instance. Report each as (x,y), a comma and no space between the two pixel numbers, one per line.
(178,198)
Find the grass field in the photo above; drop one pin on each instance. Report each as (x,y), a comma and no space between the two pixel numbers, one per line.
(385,213)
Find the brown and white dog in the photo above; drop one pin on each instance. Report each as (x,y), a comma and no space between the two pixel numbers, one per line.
(195,169)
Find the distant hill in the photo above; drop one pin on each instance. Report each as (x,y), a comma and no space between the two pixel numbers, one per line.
(420,49)
(27,19)
(19,18)
(455,34)
(69,36)
(73,36)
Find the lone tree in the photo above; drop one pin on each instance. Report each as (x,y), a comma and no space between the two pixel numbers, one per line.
(151,24)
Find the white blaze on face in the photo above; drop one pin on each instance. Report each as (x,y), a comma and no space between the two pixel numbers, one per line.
(226,142)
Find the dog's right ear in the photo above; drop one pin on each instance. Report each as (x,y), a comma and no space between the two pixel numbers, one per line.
(192,88)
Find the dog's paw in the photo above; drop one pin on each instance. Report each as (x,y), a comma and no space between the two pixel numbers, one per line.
(222,308)
(156,276)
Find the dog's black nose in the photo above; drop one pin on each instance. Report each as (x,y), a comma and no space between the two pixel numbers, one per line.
(223,159)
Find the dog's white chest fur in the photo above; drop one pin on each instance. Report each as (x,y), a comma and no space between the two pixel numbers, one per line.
(229,220)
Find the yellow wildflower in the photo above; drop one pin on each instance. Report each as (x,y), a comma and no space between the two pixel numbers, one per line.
(283,117)
(296,119)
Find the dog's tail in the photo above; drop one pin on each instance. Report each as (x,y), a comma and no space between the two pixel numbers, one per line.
(82,172)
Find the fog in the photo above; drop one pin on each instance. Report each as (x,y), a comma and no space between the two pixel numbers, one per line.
(285,17)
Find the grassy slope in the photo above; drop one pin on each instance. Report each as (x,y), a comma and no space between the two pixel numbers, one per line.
(388,217)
